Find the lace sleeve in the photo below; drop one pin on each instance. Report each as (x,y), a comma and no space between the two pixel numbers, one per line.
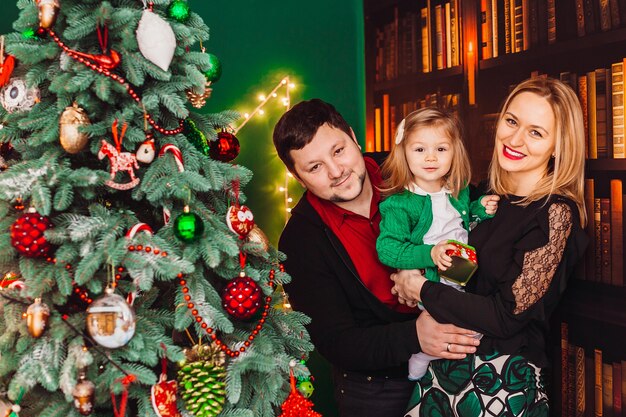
(540,264)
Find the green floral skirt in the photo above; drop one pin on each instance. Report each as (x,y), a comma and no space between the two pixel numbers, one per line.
(480,386)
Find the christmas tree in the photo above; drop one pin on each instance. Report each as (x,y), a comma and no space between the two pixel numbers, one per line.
(130,266)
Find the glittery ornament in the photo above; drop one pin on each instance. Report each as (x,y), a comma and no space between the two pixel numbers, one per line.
(156,39)
(225,148)
(37,316)
(188,226)
(72,139)
(242,297)
(48,11)
(214,70)
(199,100)
(83,394)
(179,10)
(256,235)
(110,320)
(195,136)
(7,63)
(11,281)
(118,160)
(202,380)
(27,235)
(240,220)
(296,405)
(15,96)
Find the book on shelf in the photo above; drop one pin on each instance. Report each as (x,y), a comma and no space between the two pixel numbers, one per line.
(590,255)
(566,20)
(590,22)
(605,243)
(508,27)
(617,233)
(455,36)
(617,103)
(525,25)
(579,362)
(533,22)
(517,26)
(607,390)
(605,15)
(486,28)
(565,393)
(426,39)
(386,144)
(617,389)
(589,386)
(582,96)
(551,21)
(378,125)
(597,276)
(614,7)
(571,380)
(447,35)
(597,367)
(439,40)
(580,19)
(495,21)
(592,115)
(603,112)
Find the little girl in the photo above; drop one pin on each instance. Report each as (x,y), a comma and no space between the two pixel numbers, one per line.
(427,201)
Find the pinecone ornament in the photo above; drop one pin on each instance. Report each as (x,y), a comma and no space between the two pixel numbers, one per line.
(202,381)
(199,100)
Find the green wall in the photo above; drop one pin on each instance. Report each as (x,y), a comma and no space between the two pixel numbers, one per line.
(320,45)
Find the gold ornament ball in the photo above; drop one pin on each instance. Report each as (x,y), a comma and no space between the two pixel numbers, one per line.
(199,100)
(257,235)
(37,316)
(48,11)
(72,140)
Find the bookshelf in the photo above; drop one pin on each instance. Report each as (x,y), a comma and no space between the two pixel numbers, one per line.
(574,40)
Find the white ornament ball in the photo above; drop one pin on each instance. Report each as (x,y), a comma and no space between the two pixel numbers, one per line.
(146,151)
(15,96)
(156,39)
(110,320)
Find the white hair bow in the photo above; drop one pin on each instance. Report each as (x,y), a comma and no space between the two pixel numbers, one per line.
(400,132)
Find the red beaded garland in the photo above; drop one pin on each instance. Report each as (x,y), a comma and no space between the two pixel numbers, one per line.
(209,330)
(121,80)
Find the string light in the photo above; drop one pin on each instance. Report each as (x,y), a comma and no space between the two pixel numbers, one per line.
(286,102)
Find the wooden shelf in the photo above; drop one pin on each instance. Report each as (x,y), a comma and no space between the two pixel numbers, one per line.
(605,165)
(573,54)
(449,78)
(596,301)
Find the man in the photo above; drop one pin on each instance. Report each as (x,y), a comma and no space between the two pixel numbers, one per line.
(357,324)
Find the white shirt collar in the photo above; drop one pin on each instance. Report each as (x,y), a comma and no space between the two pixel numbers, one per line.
(416,189)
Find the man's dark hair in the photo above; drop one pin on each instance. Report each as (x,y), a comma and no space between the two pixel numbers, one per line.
(298,126)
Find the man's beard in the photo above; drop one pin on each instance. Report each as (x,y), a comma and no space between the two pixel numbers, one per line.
(338,199)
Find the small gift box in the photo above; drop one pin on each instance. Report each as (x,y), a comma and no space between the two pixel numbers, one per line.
(464,263)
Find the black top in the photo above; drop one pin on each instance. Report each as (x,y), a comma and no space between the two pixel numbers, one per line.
(349,326)
(525,257)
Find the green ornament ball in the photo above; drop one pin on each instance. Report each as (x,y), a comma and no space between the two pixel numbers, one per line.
(214,72)
(188,227)
(179,10)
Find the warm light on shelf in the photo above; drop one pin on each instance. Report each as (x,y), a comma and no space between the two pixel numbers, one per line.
(471,74)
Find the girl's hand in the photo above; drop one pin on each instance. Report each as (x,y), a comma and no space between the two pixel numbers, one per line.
(440,258)
(490,203)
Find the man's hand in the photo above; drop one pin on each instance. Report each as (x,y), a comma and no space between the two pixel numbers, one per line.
(439,255)
(490,203)
(445,341)
(407,286)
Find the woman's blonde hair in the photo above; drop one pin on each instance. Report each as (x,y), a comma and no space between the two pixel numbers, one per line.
(395,170)
(565,174)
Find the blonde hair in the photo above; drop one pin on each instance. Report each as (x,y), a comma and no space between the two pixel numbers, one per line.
(565,174)
(395,170)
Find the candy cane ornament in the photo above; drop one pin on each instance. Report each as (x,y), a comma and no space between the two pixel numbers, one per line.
(132,232)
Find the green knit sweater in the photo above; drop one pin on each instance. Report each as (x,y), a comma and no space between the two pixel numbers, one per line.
(406,217)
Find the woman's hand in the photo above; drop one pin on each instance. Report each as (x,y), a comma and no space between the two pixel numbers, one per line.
(441,259)
(408,284)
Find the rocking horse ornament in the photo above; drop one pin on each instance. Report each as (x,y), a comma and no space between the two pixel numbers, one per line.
(118,160)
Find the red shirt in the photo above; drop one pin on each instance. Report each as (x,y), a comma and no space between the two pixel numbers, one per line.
(358,236)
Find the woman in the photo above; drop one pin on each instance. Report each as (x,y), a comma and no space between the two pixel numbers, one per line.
(526,254)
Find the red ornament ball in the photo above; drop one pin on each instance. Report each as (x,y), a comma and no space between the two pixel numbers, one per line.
(27,235)
(242,298)
(225,148)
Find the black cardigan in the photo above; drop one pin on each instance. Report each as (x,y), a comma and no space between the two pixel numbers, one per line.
(350,327)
